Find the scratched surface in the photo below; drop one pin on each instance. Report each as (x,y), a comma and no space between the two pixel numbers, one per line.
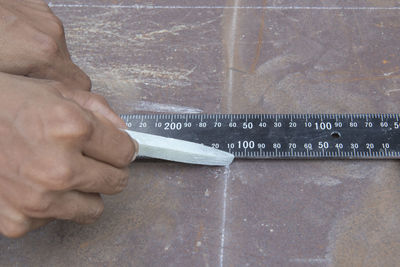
(236,56)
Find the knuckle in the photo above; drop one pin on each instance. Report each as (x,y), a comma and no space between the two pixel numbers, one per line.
(46,47)
(66,109)
(83,79)
(95,101)
(54,176)
(60,178)
(86,81)
(57,27)
(37,203)
(72,122)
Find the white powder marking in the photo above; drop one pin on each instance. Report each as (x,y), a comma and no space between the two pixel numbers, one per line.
(311,260)
(388,92)
(223,223)
(322,181)
(231,53)
(158,107)
(137,6)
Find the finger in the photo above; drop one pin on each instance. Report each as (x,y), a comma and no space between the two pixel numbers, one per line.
(79,207)
(70,74)
(66,72)
(109,144)
(94,103)
(76,78)
(97,177)
(14,224)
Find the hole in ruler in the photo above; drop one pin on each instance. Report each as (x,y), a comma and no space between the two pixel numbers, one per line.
(336,135)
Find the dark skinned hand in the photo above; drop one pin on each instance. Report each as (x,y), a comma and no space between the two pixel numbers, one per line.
(55,156)
(60,147)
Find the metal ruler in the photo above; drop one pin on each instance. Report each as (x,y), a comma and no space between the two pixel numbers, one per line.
(289,136)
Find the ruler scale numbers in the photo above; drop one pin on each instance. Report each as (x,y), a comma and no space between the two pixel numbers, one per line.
(281,136)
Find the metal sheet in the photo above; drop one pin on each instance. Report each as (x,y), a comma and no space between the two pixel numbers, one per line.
(222,56)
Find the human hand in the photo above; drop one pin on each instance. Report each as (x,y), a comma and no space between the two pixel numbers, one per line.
(55,156)
(32,43)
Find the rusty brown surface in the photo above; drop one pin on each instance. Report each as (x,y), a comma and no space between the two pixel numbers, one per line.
(218,57)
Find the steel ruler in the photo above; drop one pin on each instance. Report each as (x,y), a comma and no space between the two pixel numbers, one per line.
(288,136)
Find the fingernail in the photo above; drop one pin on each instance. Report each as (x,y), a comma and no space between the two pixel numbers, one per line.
(136,149)
(135,144)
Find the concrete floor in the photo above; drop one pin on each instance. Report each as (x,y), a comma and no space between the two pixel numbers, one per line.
(257,56)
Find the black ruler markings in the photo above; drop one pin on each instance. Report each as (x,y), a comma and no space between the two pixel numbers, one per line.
(358,136)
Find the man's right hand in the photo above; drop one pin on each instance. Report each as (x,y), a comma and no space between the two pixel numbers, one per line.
(55,156)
